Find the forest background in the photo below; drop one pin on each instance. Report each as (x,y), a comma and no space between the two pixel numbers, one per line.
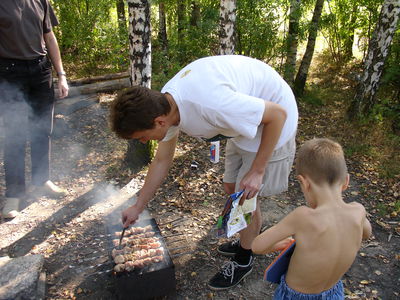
(94,39)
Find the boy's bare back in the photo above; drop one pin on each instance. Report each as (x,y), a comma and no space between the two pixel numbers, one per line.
(327,240)
(329,232)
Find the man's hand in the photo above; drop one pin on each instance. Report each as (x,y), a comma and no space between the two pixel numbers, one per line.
(251,184)
(130,215)
(62,86)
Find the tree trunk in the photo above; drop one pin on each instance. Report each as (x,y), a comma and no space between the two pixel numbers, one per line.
(378,49)
(292,41)
(349,39)
(227,35)
(302,74)
(139,42)
(138,154)
(195,16)
(162,27)
(121,19)
(181,15)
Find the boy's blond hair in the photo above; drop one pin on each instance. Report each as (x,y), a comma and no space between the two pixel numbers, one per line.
(322,160)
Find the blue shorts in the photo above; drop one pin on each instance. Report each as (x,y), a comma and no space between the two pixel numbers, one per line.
(284,292)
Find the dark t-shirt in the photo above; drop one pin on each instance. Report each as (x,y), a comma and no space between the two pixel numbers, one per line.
(22,25)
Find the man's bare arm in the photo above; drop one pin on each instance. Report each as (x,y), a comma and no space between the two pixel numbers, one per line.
(273,120)
(156,174)
(55,56)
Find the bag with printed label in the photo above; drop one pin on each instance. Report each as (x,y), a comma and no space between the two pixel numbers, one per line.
(235,217)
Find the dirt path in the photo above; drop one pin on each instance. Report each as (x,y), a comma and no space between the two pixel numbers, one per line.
(71,232)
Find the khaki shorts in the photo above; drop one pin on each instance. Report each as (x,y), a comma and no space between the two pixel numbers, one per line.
(238,163)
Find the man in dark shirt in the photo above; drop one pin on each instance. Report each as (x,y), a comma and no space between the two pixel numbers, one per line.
(28,49)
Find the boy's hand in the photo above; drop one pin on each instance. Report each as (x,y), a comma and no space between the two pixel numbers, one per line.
(279,246)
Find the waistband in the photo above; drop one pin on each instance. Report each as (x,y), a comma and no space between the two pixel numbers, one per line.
(335,292)
(23,61)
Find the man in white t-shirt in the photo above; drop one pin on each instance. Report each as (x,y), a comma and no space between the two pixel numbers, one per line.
(230,96)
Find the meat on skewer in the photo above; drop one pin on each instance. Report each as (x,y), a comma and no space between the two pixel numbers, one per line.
(140,248)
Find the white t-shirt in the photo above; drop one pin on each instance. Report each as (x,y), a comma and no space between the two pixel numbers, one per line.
(224,95)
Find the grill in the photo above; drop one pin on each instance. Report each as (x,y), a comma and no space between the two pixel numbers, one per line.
(153,280)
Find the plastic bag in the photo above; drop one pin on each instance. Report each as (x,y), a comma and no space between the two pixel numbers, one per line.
(235,217)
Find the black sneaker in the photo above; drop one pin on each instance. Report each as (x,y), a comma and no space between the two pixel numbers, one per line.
(230,275)
(230,248)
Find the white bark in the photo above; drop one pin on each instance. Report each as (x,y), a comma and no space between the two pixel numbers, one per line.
(377,53)
(140,42)
(227,23)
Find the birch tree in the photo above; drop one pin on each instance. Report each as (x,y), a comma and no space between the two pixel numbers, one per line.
(302,73)
(227,27)
(292,41)
(378,50)
(139,154)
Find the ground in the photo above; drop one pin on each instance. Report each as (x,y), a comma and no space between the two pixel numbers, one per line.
(73,232)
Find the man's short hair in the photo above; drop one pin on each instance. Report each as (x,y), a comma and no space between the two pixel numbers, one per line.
(322,160)
(135,108)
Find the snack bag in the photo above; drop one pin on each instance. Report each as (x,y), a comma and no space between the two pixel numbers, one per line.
(235,217)
(240,215)
(222,223)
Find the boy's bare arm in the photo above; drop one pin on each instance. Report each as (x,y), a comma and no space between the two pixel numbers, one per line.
(272,239)
(367,229)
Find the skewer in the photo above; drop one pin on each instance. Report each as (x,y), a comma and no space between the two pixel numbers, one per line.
(172,235)
(122,236)
(100,272)
(179,219)
(177,248)
(93,258)
(174,241)
(180,254)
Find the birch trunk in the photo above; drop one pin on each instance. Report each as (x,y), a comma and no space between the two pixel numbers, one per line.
(302,74)
(139,42)
(227,35)
(378,49)
(138,154)
(292,41)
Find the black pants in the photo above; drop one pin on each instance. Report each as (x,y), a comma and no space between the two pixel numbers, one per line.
(27,106)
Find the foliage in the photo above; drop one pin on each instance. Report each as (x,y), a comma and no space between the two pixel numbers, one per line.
(347,22)
(263,40)
(313,96)
(87,37)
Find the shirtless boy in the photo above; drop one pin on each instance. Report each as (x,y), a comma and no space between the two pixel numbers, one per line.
(328,232)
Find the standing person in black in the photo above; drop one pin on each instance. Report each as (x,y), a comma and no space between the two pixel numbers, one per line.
(28,49)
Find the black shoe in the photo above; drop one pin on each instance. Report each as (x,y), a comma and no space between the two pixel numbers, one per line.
(230,275)
(230,248)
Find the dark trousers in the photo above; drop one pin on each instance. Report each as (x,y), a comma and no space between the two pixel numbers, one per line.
(27,108)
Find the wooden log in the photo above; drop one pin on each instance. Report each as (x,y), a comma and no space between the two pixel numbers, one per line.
(98,87)
(98,78)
